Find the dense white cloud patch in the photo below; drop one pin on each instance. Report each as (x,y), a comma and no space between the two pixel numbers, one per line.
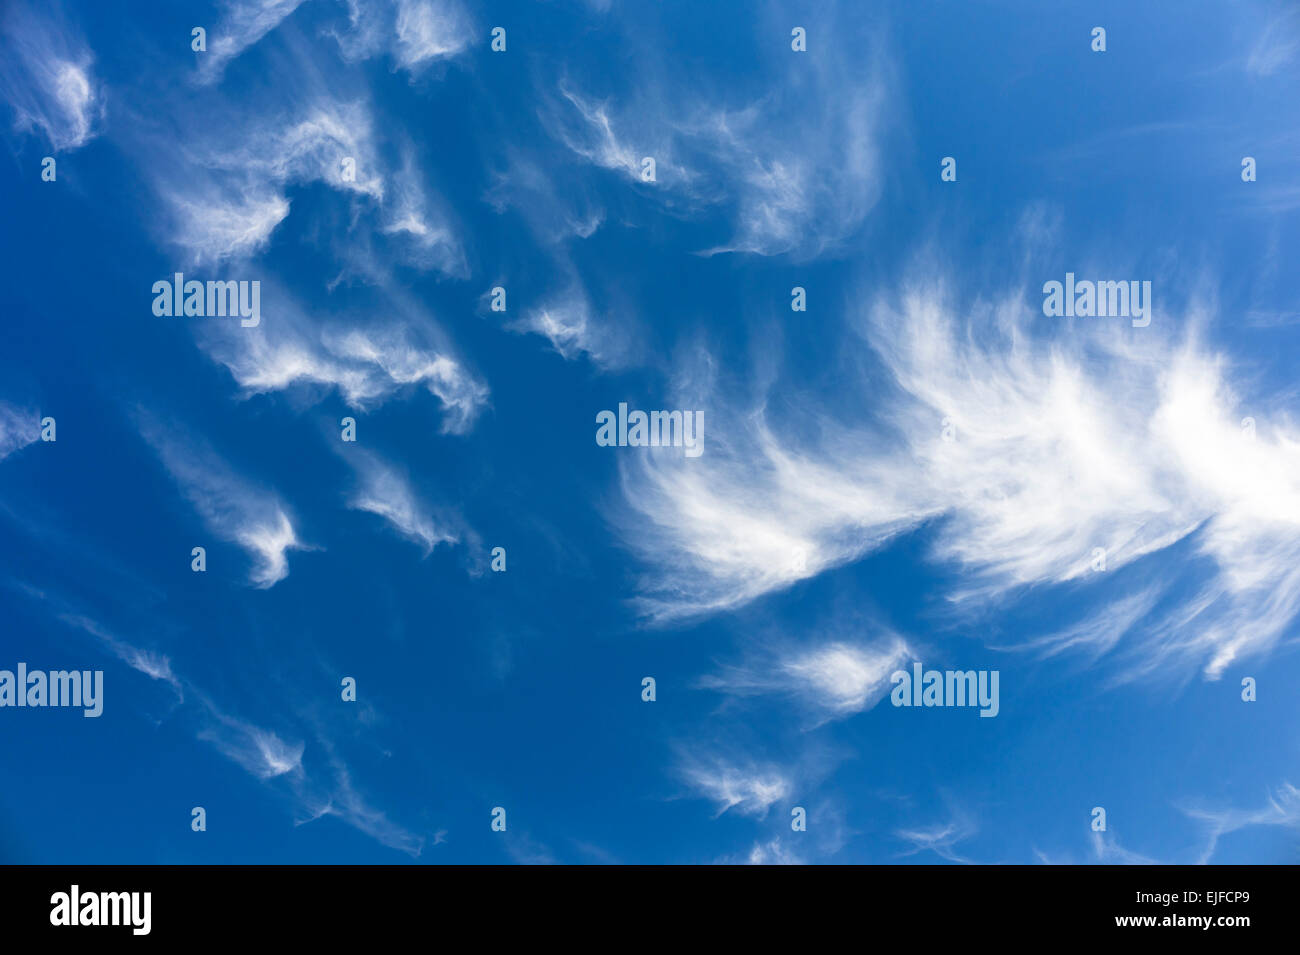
(759,513)
(832,679)
(1035,451)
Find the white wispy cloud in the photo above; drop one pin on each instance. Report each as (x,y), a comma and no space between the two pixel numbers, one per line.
(319,788)
(420,222)
(593,137)
(317,791)
(227,173)
(242,24)
(1281,808)
(1100,632)
(568,321)
(272,756)
(311,149)
(1033,477)
(228,190)
(1106,849)
(344,802)
(760,510)
(1034,449)
(389,354)
(47,76)
(834,679)
(776,851)
(825,836)
(153,664)
(225,194)
(214,225)
(565,322)
(367,362)
(18,428)
(231,185)
(795,167)
(528,851)
(556,208)
(749,789)
(429,30)
(797,190)
(941,838)
(261,752)
(845,678)
(231,506)
(385,491)
(1094,440)
(417,34)
(1277,45)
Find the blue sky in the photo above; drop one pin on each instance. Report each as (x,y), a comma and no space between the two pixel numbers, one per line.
(919,467)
